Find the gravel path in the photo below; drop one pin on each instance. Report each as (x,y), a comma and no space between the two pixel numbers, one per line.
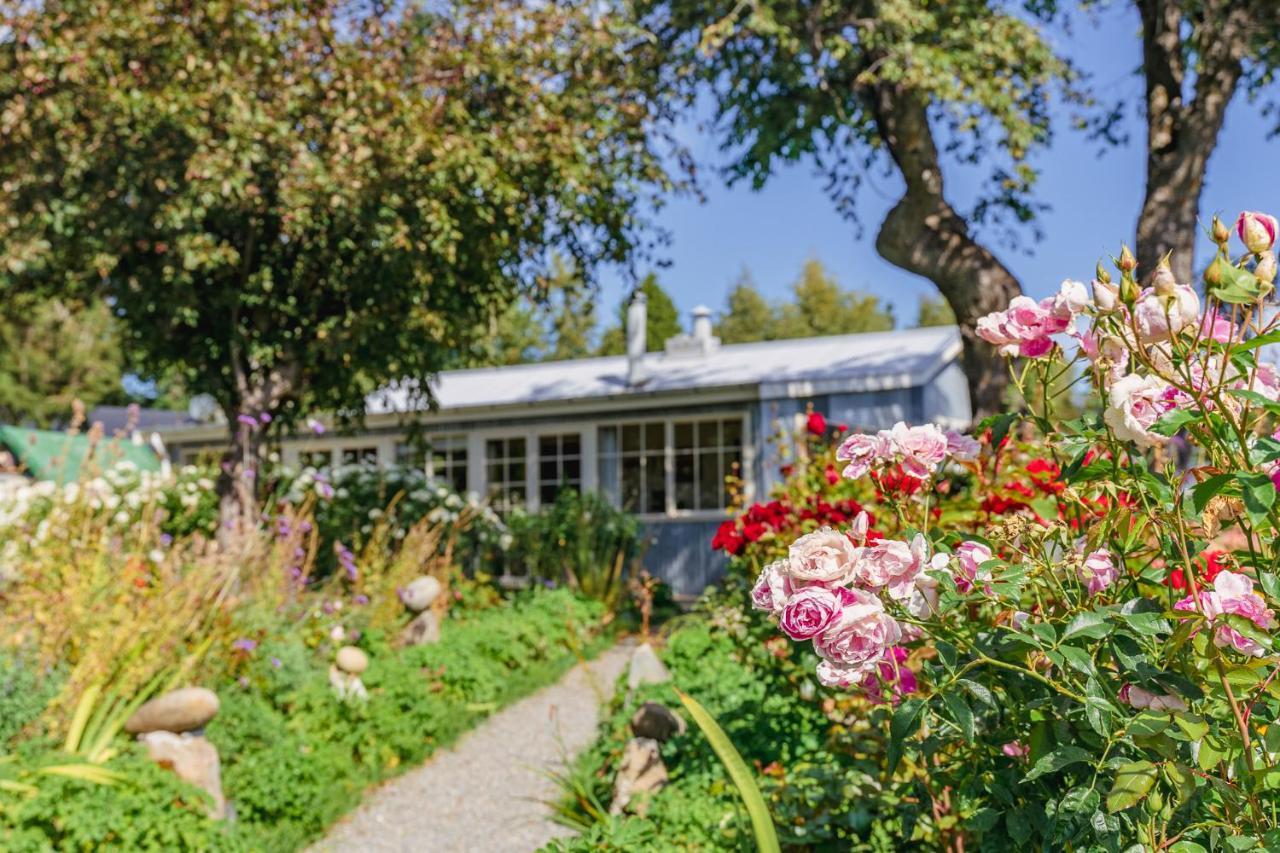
(487,792)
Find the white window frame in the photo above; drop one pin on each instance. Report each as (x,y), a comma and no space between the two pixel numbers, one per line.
(669,456)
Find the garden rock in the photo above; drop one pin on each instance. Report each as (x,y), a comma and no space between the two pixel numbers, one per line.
(347,686)
(425,628)
(646,668)
(656,721)
(180,710)
(421,593)
(352,660)
(194,759)
(640,774)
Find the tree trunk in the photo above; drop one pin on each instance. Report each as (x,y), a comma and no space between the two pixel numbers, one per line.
(925,235)
(1181,136)
(255,396)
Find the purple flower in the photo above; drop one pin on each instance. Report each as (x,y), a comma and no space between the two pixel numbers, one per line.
(247,420)
(264,418)
(244,644)
(276,663)
(166,540)
(315,426)
(361,599)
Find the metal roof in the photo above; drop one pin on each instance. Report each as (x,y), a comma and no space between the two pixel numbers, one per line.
(769,369)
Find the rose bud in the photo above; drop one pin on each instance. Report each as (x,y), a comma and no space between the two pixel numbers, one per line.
(1266,268)
(1163,281)
(860,524)
(1127,262)
(1257,231)
(1105,295)
(1128,290)
(1100,274)
(1213,272)
(1220,232)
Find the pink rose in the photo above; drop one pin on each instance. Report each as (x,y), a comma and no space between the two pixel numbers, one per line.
(862,451)
(1216,327)
(1071,299)
(772,589)
(1026,326)
(1232,593)
(1134,404)
(812,610)
(962,447)
(969,558)
(1257,231)
(923,601)
(860,636)
(823,556)
(1160,317)
(888,563)
(1098,572)
(1016,749)
(921,448)
(861,522)
(1136,697)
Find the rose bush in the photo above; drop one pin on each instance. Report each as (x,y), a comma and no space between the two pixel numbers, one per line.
(1068,622)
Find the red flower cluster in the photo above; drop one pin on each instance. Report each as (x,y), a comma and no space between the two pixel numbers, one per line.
(777,516)
(817,424)
(895,481)
(1208,565)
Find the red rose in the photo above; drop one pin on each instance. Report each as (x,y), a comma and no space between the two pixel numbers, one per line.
(753,530)
(833,476)
(817,424)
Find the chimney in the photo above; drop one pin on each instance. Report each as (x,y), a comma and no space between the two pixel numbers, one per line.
(637,316)
(702,325)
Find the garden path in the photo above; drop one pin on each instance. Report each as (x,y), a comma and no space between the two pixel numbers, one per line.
(487,792)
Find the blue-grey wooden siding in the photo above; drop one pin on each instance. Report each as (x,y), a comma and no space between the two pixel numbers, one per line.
(680,553)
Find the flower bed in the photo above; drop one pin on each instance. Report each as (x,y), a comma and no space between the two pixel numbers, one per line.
(294,758)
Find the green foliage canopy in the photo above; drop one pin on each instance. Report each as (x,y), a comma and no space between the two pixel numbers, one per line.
(294,203)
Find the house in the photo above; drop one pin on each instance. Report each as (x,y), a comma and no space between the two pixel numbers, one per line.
(656,432)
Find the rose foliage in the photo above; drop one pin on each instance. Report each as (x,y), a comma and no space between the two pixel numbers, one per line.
(1064,628)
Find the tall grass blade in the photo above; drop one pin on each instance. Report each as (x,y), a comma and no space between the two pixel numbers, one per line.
(761,823)
(83,709)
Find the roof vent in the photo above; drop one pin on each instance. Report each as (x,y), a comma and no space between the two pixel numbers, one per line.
(700,342)
(637,332)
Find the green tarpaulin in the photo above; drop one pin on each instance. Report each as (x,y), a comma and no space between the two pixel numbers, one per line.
(46,455)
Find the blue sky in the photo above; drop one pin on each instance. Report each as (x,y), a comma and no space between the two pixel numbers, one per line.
(1094,201)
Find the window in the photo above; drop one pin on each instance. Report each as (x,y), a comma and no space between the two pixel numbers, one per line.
(559,465)
(505,466)
(706,452)
(442,457)
(447,460)
(367,455)
(633,466)
(315,458)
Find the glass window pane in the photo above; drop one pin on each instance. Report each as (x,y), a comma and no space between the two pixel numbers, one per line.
(460,455)
(573,471)
(655,485)
(631,483)
(630,438)
(684,435)
(547,492)
(494,449)
(547,471)
(515,471)
(548,445)
(516,448)
(709,484)
(708,434)
(458,479)
(685,481)
(608,437)
(732,433)
(570,445)
(655,436)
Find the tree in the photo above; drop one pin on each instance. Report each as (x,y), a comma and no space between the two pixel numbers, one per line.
(573,313)
(933,311)
(747,316)
(1195,54)
(851,86)
(52,353)
(821,307)
(662,320)
(294,202)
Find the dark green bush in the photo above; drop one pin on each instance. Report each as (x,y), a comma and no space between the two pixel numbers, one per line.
(23,694)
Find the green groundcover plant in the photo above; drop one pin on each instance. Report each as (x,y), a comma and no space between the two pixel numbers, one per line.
(294,757)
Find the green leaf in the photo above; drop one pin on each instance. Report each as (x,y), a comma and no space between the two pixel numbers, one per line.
(979,692)
(1259,494)
(1210,488)
(1174,421)
(1250,630)
(1192,724)
(761,823)
(1256,399)
(960,713)
(1089,624)
(1272,337)
(1235,286)
(1061,757)
(1080,660)
(1148,723)
(1133,782)
(903,723)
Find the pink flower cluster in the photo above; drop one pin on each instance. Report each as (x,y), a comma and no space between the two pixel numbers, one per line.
(1027,327)
(1098,571)
(1136,697)
(827,590)
(919,450)
(1232,593)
